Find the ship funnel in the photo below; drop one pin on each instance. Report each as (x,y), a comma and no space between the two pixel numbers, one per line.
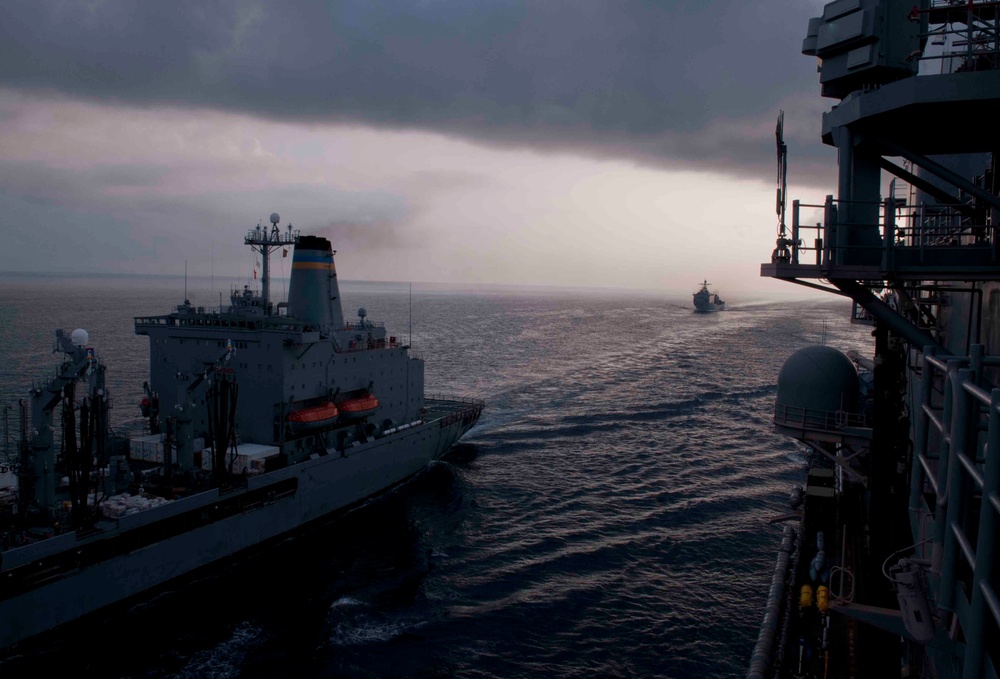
(313,293)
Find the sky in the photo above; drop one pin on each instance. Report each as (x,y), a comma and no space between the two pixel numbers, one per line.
(577,143)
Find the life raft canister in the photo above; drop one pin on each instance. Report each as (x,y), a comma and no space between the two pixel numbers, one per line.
(806,596)
(822,598)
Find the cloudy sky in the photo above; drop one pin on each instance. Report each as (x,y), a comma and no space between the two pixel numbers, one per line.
(606,143)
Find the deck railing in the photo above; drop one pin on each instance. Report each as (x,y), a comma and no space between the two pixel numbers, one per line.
(920,232)
(954,501)
(458,399)
(818,420)
(961,36)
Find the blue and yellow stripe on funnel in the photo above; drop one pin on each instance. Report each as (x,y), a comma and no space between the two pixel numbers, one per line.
(311,259)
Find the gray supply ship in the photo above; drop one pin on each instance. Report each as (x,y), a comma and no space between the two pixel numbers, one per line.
(262,418)
(707,301)
(889,565)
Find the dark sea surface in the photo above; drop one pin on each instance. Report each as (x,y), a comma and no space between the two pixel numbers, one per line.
(607,517)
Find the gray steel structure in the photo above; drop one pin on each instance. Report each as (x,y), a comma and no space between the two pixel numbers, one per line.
(900,517)
(230,378)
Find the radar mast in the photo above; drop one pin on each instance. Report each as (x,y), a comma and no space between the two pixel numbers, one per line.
(264,242)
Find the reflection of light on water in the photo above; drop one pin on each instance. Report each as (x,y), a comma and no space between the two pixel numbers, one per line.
(621,436)
(348,635)
(346,601)
(227,659)
(367,631)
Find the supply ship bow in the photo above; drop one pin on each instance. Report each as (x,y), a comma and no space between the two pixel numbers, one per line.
(892,570)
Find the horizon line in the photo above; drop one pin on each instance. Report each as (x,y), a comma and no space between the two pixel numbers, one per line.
(453,285)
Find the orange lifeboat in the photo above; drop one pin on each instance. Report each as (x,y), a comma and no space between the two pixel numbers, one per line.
(318,417)
(357,408)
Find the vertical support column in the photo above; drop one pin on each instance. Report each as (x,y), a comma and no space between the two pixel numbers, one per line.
(953,494)
(942,471)
(994,236)
(42,449)
(986,544)
(890,532)
(994,213)
(885,477)
(829,232)
(795,232)
(920,438)
(976,354)
(866,242)
(265,283)
(858,198)
(844,140)
(888,233)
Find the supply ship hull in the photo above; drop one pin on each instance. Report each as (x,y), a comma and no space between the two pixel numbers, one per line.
(888,564)
(62,578)
(275,417)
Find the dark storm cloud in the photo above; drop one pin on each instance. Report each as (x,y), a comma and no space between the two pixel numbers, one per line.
(641,80)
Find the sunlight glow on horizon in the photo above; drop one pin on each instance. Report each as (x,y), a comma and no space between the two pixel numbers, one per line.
(151,188)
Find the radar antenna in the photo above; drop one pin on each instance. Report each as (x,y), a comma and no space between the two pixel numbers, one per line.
(781,252)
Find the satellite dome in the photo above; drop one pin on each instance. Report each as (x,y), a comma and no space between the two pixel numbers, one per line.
(80,337)
(818,378)
(362,312)
(275,218)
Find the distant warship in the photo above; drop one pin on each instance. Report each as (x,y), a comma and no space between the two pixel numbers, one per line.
(262,418)
(707,301)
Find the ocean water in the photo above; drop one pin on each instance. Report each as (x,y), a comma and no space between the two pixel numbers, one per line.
(607,517)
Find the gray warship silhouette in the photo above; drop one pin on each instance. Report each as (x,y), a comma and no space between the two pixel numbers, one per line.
(263,418)
(707,301)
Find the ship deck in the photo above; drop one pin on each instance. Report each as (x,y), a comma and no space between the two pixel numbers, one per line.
(441,406)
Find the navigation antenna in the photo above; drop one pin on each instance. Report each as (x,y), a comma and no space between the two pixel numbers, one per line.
(781,253)
(262,241)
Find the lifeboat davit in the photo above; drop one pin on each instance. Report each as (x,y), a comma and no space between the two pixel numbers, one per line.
(310,419)
(357,408)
